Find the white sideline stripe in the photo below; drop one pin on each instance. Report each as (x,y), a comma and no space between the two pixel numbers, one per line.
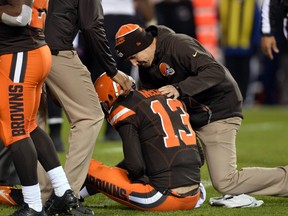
(206,183)
(262,126)
(110,150)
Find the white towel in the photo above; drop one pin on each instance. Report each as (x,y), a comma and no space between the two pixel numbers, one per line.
(202,196)
(239,201)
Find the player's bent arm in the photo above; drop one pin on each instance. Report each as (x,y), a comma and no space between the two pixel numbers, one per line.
(133,158)
(16,12)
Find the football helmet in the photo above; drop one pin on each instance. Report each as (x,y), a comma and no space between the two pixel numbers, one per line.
(108,91)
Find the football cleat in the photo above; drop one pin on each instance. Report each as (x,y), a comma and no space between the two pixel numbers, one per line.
(10,195)
(65,204)
(26,211)
(82,210)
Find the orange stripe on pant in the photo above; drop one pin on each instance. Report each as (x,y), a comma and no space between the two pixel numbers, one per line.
(114,183)
(22,75)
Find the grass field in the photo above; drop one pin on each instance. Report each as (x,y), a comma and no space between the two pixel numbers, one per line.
(262,141)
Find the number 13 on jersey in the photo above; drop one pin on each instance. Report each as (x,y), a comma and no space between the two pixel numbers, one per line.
(171,139)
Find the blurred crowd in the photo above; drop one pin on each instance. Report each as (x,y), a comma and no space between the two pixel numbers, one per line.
(231,31)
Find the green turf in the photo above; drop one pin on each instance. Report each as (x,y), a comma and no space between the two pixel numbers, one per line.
(262,141)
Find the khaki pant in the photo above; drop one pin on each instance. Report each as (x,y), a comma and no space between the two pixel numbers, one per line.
(70,83)
(219,146)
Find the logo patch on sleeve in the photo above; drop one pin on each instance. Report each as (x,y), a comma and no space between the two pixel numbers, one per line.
(166,70)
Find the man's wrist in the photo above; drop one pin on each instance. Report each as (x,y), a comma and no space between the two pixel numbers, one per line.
(177,87)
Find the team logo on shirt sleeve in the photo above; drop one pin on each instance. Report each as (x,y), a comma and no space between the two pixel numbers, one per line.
(166,70)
